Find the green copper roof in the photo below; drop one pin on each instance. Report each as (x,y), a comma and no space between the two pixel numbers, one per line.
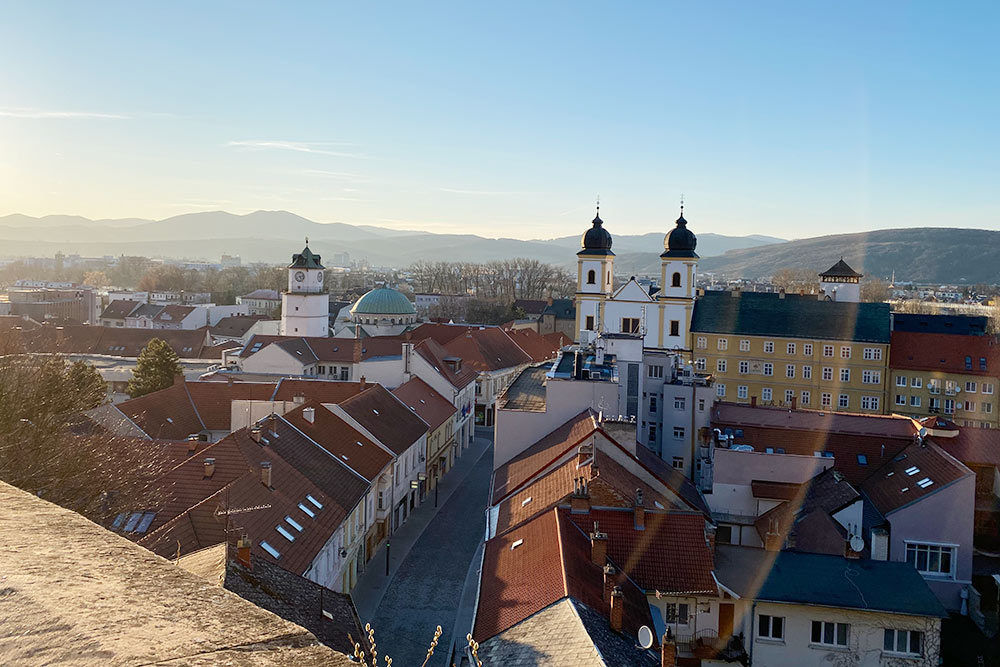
(383,301)
(305,260)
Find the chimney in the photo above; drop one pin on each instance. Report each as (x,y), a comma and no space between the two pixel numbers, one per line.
(243,552)
(192,441)
(265,473)
(583,454)
(363,383)
(849,552)
(255,433)
(598,547)
(579,502)
(272,422)
(781,293)
(668,650)
(550,300)
(299,399)
(609,582)
(880,544)
(309,414)
(209,467)
(753,401)
(640,511)
(229,380)
(735,293)
(710,538)
(772,539)
(617,608)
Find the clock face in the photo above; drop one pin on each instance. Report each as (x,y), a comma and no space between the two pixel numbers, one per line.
(299,276)
(319,277)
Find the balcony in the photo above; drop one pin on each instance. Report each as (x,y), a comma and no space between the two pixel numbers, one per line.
(707,645)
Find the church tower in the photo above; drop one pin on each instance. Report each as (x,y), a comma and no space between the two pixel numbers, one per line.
(840,283)
(305,305)
(594,282)
(677,279)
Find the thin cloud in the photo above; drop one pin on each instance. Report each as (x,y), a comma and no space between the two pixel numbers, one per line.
(40,113)
(319,148)
(484,193)
(339,199)
(343,175)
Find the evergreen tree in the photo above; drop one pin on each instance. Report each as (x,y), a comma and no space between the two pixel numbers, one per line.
(90,388)
(155,370)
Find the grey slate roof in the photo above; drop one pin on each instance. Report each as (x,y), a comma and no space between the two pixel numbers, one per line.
(794,316)
(828,581)
(963,325)
(841,270)
(305,260)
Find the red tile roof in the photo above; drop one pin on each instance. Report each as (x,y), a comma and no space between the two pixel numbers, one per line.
(904,480)
(341,440)
(434,354)
(536,346)
(113,341)
(670,555)
(235,325)
(439,333)
(119,309)
(774,490)
(487,349)
(979,446)
(321,391)
(385,417)
(558,338)
(944,352)
(429,405)
(173,313)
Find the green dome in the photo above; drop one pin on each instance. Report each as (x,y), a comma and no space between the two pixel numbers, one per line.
(383,301)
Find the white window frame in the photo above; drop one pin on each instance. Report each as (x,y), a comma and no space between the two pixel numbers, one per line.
(678,433)
(845,351)
(822,632)
(701,343)
(766,627)
(790,348)
(742,391)
(844,401)
(789,370)
(720,390)
(744,367)
(807,349)
(845,374)
(986,387)
(807,372)
(892,636)
(916,382)
(940,548)
(768,347)
(900,380)
(828,350)
(722,344)
(768,369)
(721,365)
(826,400)
(766,394)
(789,396)
(827,374)
(970,386)
(744,345)
(900,399)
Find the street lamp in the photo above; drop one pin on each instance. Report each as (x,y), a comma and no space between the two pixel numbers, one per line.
(387,545)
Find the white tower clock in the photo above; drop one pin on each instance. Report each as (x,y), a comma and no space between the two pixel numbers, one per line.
(305,305)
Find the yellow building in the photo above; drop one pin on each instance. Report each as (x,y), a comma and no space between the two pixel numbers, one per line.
(793,350)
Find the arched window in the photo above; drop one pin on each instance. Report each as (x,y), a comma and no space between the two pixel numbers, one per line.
(591,277)
(676,280)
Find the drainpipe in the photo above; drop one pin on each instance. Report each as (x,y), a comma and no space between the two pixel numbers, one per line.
(753,625)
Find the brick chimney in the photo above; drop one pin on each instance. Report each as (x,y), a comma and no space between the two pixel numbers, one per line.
(668,650)
(265,473)
(209,467)
(309,414)
(579,502)
(243,552)
(617,608)
(299,399)
(609,582)
(192,441)
(598,547)
(772,538)
(363,383)
(584,453)
(640,511)
(255,433)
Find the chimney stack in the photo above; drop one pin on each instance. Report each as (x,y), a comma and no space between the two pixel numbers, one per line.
(640,511)
(363,383)
(609,582)
(299,399)
(710,537)
(273,422)
(598,547)
(781,293)
(192,441)
(772,539)
(617,608)
(309,414)
(584,453)
(265,473)
(243,552)
(255,433)
(209,467)
(668,652)
(579,502)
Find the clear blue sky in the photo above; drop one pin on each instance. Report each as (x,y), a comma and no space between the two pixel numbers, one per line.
(507,119)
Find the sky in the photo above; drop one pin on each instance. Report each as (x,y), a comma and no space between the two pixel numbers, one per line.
(786,119)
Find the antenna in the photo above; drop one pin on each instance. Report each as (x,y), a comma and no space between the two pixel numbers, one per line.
(645,637)
(857,543)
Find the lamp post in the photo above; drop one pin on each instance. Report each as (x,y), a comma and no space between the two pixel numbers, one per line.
(437,483)
(387,545)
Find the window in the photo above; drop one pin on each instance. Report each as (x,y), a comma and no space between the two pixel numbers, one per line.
(790,348)
(654,371)
(950,387)
(676,612)
(765,394)
(970,387)
(589,326)
(916,383)
(949,406)
(723,343)
(844,401)
(807,372)
(789,396)
(744,345)
(652,435)
(827,373)
(768,368)
(790,370)
(724,535)
(305,510)
(915,401)
(807,349)
(652,404)
(905,642)
(987,387)
(968,363)
(720,365)
(742,391)
(828,633)
(845,352)
(344,372)
(970,406)
(768,346)
(934,405)
(934,386)
(321,370)
(828,350)
(744,367)
(845,374)
(678,463)
(932,559)
(678,433)
(862,460)
(900,399)
(701,405)
(271,550)
(630,325)
(869,402)
(871,377)
(769,627)
(675,328)
(675,280)
(720,390)
(700,364)
(987,407)
(702,343)
(825,400)
(804,398)
(591,277)
(900,380)
(679,402)
(873,354)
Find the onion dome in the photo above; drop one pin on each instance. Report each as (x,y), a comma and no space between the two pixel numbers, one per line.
(596,240)
(680,241)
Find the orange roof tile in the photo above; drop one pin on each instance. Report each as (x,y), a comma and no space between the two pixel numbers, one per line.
(429,405)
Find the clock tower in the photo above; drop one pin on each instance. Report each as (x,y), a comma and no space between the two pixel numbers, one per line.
(305,305)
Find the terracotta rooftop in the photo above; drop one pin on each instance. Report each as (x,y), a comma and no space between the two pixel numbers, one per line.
(321,391)
(385,417)
(919,470)
(174,313)
(487,349)
(948,353)
(235,326)
(979,446)
(113,341)
(429,405)
(119,309)
(434,354)
(340,439)
(91,604)
(536,346)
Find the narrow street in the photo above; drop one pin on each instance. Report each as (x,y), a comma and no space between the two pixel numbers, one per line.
(426,583)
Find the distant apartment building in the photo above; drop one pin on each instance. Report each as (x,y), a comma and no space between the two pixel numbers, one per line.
(54,301)
(262,302)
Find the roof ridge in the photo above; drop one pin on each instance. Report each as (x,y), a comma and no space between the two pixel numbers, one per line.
(562,553)
(194,406)
(325,450)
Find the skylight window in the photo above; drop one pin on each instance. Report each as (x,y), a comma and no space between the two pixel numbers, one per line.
(912,470)
(343,456)
(525,501)
(293,523)
(147,519)
(516,544)
(862,460)
(307,511)
(271,550)
(118,521)
(133,521)
(285,534)
(315,502)
(375,411)
(359,443)
(925,482)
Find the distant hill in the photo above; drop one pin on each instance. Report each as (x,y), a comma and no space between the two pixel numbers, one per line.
(270,236)
(923,254)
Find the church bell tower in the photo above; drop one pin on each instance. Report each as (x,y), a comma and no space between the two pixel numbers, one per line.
(595,279)
(305,305)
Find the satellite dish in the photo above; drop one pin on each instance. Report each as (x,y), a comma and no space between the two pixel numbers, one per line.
(645,637)
(857,544)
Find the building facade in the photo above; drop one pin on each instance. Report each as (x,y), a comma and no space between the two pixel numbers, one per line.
(305,304)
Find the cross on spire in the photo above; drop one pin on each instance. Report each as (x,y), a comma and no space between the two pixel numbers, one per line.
(682,204)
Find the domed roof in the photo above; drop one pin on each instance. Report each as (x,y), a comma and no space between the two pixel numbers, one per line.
(680,241)
(383,301)
(596,240)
